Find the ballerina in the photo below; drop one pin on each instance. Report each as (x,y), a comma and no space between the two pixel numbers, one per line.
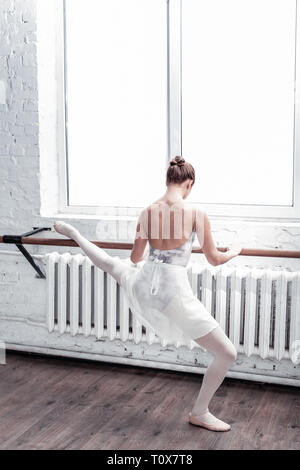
(156,282)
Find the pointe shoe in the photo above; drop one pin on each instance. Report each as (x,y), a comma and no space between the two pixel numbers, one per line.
(217,425)
(64,228)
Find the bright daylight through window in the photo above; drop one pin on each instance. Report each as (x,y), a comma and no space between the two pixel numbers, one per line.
(116,69)
(238,100)
(238,72)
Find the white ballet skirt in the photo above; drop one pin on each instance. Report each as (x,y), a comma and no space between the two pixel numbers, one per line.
(159,294)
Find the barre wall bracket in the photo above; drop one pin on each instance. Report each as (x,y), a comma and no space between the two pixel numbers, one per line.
(17,240)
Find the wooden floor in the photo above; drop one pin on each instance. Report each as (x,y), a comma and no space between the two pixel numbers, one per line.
(53,403)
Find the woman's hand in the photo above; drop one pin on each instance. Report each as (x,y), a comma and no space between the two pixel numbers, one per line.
(235,248)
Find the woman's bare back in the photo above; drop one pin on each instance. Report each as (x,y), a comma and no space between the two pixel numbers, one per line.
(168,224)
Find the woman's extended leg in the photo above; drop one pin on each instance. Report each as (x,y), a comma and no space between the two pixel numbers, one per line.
(217,343)
(98,256)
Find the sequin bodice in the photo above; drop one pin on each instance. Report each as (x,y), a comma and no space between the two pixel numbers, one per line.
(180,255)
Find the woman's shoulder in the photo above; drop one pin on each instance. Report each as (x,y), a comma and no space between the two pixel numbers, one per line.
(181,203)
(199,210)
(160,204)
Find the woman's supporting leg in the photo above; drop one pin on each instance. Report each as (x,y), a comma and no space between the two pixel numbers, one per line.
(114,266)
(217,343)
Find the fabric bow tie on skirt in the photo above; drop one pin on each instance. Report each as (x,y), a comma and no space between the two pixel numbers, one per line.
(155,276)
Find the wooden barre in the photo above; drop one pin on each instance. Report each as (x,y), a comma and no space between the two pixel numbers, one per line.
(276,253)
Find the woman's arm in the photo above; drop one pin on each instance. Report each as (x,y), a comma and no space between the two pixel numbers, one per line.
(139,251)
(212,254)
(140,247)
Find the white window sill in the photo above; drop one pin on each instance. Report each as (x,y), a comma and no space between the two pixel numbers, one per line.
(98,217)
(217,220)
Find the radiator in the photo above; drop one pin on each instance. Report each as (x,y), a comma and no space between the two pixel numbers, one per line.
(258,308)
(83,299)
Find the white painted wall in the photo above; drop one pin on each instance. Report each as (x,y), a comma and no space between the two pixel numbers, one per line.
(21,197)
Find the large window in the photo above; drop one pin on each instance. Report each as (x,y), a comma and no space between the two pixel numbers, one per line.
(238,67)
(116,89)
(213,80)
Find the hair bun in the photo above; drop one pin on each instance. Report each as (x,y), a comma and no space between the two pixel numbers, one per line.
(177,161)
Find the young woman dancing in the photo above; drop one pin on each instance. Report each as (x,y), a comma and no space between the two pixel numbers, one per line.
(156,283)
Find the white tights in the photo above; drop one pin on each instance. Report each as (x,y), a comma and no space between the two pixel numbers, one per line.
(111,264)
(217,343)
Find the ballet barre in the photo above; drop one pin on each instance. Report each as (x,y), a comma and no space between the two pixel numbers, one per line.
(27,239)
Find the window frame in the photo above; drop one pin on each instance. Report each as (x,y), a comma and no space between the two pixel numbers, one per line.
(244,212)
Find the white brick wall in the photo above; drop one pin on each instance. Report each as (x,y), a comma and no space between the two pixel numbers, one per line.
(19,151)
(20,199)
